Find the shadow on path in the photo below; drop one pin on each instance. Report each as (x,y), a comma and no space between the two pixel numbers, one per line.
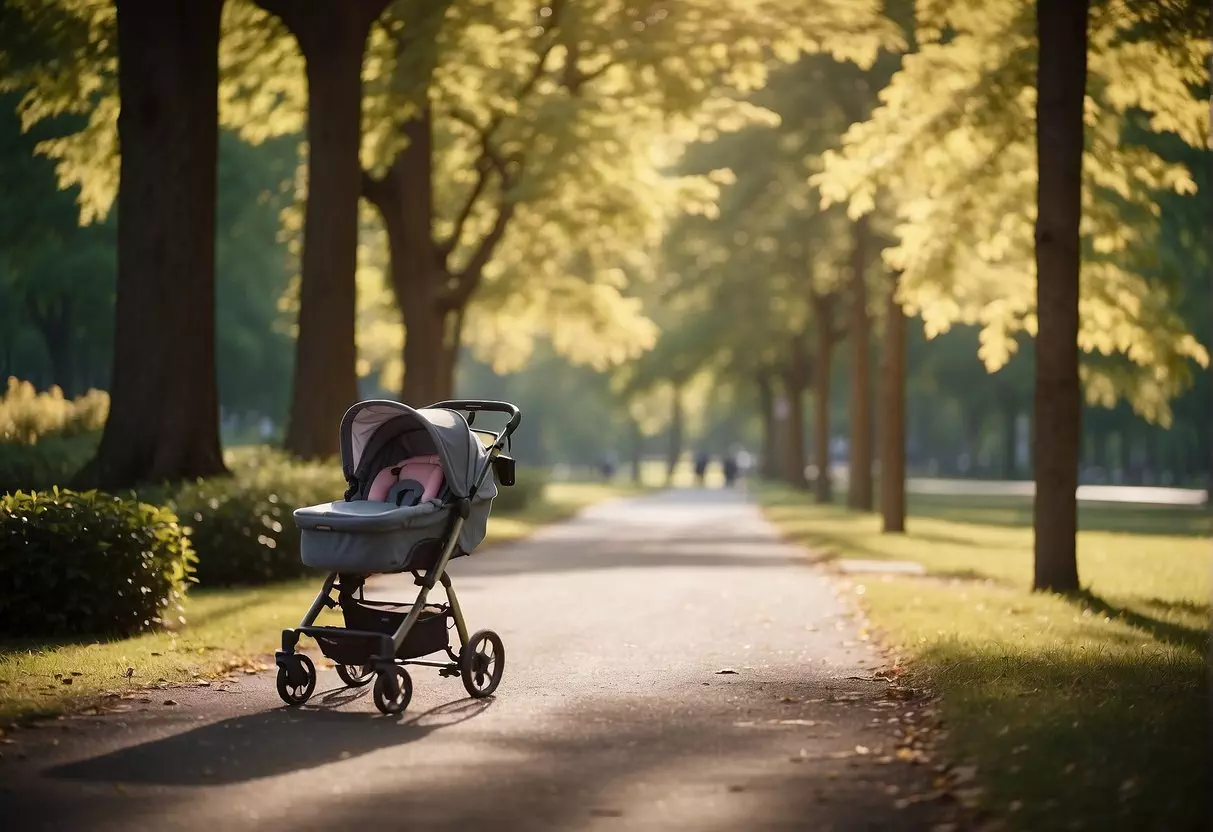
(265,744)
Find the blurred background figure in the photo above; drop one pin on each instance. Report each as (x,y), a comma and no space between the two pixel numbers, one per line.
(702,460)
(730,469)
(608,464)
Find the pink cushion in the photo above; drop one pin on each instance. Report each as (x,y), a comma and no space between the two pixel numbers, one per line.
(426,470)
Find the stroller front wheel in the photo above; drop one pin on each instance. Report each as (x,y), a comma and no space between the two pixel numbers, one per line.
(295,685)
(482,663)
(356,676)
(393,702)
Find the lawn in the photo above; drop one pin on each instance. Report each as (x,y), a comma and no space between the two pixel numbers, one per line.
(1084,712)
(226,630)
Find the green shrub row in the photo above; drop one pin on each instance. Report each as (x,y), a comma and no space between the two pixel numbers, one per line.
(54,460)
(89,563)
(94,563)
(242,524)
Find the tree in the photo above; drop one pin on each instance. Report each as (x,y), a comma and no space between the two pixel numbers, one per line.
(892,415)
(57,278)
(163,422)
(958,174)
(859,488)
(827,333)
(1060,89)
(555,144)
(333,38)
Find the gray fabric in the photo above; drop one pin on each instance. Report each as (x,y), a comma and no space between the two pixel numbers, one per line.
(365,552)
(365,515)
(374,435)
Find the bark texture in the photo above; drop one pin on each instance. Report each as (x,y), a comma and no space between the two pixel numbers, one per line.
(1061,86)
(823,358)
(859,491)
(893,417)
(332,37)
(164,396)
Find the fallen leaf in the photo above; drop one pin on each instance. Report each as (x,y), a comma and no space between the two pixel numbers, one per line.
(964,774)
(67,680)
(170,701)
(77,673)
(726,671)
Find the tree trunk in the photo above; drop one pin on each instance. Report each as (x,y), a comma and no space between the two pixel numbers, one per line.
(766,404)
(795,383)
(332,38)
(1061,87)
(164,408)
(676,437)
(637,452)
(794,460)
(859,492)
(893,417)
(1010,441)
(55,326)
(823,358)
(419,270)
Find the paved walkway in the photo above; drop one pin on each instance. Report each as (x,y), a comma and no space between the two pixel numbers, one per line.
(614,712)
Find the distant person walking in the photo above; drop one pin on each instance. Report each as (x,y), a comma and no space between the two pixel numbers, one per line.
(702,460)
(730,470)
(607,465)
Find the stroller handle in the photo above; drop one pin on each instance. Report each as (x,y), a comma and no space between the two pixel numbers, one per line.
(476,405)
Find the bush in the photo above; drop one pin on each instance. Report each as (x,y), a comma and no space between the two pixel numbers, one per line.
(27,416)
(89,563)
(527,490)
(242,525)
(54,460)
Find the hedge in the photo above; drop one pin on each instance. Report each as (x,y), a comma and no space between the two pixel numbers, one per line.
(89,563)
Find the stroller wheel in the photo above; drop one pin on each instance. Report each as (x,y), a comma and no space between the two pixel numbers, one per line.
(389,703)
(356,676)
(295,691)
(482,663)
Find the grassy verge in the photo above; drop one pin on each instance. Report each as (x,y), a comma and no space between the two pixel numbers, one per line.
(227,629)
(1084,712)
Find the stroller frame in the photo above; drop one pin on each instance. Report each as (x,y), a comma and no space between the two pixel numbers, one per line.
(393,686)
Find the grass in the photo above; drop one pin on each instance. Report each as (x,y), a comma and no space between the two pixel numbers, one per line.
(1082,712)
(226,629)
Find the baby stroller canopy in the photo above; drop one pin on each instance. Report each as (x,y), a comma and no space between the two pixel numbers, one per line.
(375,434)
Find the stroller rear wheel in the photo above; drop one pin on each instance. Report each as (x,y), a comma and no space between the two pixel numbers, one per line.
(356,676)
(390,703)
(295,685)
(482,663)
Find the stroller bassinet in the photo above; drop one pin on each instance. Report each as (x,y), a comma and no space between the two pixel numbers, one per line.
(367,534)
(421,486)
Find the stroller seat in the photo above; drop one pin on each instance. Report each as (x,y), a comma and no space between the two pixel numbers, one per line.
(409,482)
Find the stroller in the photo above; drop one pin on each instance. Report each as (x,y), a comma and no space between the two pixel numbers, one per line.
(419,494)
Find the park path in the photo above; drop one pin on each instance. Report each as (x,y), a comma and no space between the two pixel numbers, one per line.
(614,713)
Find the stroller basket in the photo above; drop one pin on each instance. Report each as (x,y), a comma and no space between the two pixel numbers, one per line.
(431,633)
